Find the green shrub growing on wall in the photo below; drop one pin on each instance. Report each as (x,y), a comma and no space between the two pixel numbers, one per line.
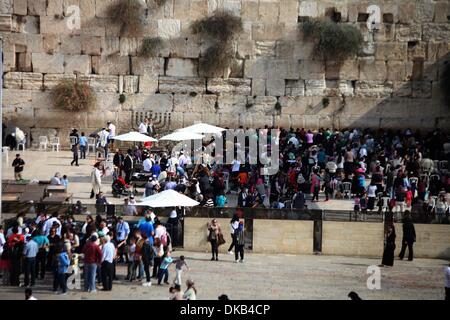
(445,83)
(150,47)
(127,15)
(221,26)
(73,96)
(334,41)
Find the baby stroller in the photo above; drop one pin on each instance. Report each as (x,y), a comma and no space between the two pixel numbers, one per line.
(119,186)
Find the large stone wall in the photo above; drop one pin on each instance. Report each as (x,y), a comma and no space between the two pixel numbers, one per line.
(395,78)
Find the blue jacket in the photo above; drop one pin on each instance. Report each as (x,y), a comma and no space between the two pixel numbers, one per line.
(63,262)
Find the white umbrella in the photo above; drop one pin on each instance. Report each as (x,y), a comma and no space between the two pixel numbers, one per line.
(134,136)
(182,136)
(203,128)
(168,198)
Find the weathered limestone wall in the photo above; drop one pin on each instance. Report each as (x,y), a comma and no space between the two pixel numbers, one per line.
(394,79)
(196,234)
(352,238)
(278,236)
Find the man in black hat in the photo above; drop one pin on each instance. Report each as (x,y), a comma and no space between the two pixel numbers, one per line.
(128,166)
(409,237)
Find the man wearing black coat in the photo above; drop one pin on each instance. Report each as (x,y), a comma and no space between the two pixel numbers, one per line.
(128,166)
(409,237)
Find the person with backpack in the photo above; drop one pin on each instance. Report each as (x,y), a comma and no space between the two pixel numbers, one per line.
(240,242)
(147,254)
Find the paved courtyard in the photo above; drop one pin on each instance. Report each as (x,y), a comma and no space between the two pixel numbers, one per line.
(276,277)
(43,165)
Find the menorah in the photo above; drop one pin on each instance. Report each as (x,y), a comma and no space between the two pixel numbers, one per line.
(161,120)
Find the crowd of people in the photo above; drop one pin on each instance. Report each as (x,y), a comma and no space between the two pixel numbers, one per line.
(59,246)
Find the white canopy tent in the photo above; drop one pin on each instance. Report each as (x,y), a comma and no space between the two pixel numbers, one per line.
(135,137)
(203,128)
(168,198)
(182,136)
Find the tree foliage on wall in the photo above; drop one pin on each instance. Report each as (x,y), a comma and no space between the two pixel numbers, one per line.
(333,41)
(150,47)
(221,28)
(127,14)
(73,96)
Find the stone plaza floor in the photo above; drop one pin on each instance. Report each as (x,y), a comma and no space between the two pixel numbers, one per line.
(277,277)
(43,165)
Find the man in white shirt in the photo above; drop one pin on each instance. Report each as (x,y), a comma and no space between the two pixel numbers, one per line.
(183,159)
(56,179)
(49,224)
(171,164)
(129,209)
(447,283)
(103,141)
(108,254)
(112,133)
(143,127)
(147,164)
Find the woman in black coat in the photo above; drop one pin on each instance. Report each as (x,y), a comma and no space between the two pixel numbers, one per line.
(389,247)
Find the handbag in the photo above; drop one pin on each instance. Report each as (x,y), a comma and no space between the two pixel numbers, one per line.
(220,239)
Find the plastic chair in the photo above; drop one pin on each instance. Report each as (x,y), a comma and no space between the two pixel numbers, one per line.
(347,189)
(55,144)
(91,144)
(5,151)
(43,142)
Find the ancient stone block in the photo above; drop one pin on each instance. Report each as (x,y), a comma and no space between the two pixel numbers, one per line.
(181,68)
(295,87)
(436,32)
(442,11)
(373,89)
(303,50)
(78,64)
(102,7)
(20,7)
(57,25)
(256,68)
(275,87)
(230,85)
(111,65)
(265,48)
(148,83)
(28,24)
(391,51)
(258,87)
(52,80)
(130,84)
(308,9)
(129,46)
(37,7)
(181,85)
(396,71)
(147,66)
(315,87)
(289,11)
(70,44)
(425,11)
(250,10)
(32,81)
(402,89)
(268,32)
(169,28)
(48,63)
(6,7)
(195,104)
(405,33)
(312,70)
(12,80)
(406,12)
(369,69)
(54,7)
(231,103)
(268,11)
(87,7)
(51,43)
(5,23)
(421,89)
(97,27)
(9,61)
(102,83)
(263,104)
(91,45)
(437,50)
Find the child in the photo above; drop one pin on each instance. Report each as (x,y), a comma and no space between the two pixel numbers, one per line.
(164,268)
(363,206)
(221,200)
(180,264)
(131,250)
(65,181)
(357,207)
